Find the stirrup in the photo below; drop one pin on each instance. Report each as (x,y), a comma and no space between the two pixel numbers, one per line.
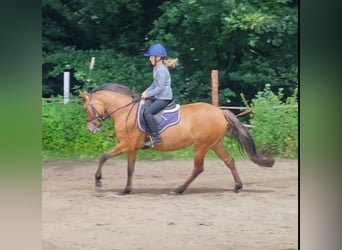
(152,141)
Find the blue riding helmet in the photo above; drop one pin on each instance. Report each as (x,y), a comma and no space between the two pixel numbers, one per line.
(156,50)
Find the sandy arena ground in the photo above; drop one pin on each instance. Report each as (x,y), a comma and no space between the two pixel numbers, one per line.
(208,216)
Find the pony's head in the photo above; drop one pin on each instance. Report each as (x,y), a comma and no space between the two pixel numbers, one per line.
(95,112)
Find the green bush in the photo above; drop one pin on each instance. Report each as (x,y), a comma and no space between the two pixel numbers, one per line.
(65,134)
(276,122)
(110,66)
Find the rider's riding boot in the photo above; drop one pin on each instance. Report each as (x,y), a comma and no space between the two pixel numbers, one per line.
(153,126)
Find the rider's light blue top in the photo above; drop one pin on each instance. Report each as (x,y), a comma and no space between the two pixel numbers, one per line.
(160,88)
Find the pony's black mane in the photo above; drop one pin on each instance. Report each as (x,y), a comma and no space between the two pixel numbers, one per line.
(115,87)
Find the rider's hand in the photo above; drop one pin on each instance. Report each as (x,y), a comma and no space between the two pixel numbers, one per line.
(144,95)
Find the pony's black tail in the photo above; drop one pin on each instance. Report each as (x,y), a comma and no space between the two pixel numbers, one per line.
(245,140)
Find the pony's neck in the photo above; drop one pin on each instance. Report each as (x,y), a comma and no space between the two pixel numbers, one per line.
(111,100)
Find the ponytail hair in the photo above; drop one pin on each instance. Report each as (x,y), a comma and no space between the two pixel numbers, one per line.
(171,62)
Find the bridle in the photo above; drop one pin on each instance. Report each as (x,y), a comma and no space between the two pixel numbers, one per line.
(96,114)
(100,118)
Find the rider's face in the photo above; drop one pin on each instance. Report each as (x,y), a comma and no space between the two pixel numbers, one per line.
(154,60)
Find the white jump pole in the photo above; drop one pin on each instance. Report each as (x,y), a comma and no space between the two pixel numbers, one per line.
(66,83)
(92,62)
(91,66)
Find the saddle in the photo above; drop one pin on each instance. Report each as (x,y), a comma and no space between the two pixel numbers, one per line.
(168,117)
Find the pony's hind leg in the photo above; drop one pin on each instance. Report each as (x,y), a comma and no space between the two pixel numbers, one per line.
(198,168)
(230,163)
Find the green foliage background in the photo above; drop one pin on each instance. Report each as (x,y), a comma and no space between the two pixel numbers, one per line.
(65,134)
(249,42)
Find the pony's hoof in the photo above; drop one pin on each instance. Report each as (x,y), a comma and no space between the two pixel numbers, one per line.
(125,192)
(98,182)
(179,190)
(237,187)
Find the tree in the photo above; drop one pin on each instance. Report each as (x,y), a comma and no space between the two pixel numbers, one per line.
(251,43)
(82,27)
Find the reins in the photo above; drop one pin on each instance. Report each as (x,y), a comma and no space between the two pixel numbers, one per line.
(100,118)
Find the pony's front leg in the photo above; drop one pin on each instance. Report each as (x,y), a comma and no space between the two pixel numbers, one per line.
(131,156)
(119,149)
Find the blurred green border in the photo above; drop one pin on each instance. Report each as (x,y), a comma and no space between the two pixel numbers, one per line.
(320,128)
(20,130)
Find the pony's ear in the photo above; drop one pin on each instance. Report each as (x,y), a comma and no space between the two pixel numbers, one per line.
(83,94)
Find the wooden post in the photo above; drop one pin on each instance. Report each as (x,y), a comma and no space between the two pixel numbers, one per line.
(214,87)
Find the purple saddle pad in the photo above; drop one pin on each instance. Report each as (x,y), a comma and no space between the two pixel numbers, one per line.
(164,118)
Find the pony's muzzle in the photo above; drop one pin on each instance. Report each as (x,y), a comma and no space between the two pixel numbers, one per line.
(93,128)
